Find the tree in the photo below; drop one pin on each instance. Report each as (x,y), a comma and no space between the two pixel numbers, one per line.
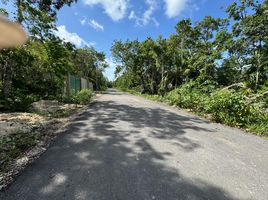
(208,53)
(38,17)
(185,45)
(251,32)
(207,50)
(38,69)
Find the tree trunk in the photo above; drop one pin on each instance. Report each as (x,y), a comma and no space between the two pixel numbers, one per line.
(257,77)
(258,69)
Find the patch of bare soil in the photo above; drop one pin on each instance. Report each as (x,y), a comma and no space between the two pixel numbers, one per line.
(33,124)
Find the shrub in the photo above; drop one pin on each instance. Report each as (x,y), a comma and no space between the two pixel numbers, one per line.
(83,97)
(18,101)
(187,97)
(230,108)
(225,106)
(173,97)
(258,122)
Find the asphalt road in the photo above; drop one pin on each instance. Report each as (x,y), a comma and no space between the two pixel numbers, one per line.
(125,148)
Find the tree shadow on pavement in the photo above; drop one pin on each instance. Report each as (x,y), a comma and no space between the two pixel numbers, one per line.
(96,159)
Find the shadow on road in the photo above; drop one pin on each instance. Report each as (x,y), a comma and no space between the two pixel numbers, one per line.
(98,159)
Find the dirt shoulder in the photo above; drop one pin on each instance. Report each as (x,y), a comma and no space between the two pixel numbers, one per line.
(25,136)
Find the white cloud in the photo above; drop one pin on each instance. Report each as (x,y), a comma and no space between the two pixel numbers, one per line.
(73,38)
(116,9)
(95,25)
(132,15)
(147,16)
(83,21)
(175,7)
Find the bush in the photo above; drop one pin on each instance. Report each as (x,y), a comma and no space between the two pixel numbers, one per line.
(230,108)
(18,101)
(225,106)
(259,123)
(83,97)
(187,97)
(173,97)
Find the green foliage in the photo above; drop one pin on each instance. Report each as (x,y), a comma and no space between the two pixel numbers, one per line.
(18,100)
(189,97)
(226,106)
(189,68)
(230,108)
(13,145)
(210,50)
(83,97)
(259,124)
(39,69)
(90,64)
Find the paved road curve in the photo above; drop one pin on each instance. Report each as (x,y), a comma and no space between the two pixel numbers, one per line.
(126,148)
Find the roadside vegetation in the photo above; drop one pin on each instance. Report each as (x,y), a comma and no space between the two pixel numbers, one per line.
(83,97)
(32,81)
(215,67)
(39,69)
(21,132)
(13,145)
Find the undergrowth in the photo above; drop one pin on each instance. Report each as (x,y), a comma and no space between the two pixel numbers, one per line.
(229,107)
(14,145)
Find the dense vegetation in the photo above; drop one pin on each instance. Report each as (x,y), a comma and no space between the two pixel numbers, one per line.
(38,69)
(217,67)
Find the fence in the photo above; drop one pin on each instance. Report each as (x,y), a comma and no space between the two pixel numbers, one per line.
(75,83)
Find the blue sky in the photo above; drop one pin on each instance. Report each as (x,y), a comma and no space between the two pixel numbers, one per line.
(100,22)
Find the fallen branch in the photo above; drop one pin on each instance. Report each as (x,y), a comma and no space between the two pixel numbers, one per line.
(258,96)
(241,85)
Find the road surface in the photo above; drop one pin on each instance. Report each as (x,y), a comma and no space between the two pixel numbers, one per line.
(128,148)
